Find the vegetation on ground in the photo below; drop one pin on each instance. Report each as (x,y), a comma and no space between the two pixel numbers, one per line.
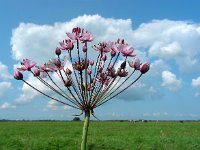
(103,135)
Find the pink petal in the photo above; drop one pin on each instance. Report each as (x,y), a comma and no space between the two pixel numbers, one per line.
(72,36)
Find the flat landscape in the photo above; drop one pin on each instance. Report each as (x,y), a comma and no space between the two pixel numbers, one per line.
(103,135)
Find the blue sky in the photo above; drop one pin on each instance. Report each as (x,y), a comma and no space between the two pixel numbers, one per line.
(166,33)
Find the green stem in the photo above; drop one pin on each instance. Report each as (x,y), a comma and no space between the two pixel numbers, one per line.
(85,130)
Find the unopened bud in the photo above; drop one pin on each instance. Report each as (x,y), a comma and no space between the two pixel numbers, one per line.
(104,57)
(18,75)
(68,71)
(68,83)
(100,69)
(123,65)
(122,41)
(91,62)
(144,67)
(92,80)
(58,51)
(89,72)
(112,53)
(36,72)
(84,48)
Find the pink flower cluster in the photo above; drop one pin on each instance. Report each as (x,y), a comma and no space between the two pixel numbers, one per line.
(91,81)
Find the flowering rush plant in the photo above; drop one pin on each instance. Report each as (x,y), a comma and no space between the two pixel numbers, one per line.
(90,82)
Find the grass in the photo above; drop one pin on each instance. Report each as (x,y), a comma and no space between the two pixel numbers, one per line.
(102,136)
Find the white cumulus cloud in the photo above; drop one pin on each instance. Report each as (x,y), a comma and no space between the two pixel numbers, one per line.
(167,40)
(4,73)
(170,81)
(7,105)
(196,82)
(55,105)
(171,40)
(4,86)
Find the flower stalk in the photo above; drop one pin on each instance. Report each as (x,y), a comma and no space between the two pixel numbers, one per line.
(85,130)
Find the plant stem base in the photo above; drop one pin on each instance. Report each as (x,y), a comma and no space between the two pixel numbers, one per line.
(85,130)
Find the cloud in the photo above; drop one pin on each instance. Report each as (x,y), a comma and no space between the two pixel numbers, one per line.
(139,91)
(196,82)
(168,41)
(4,74)
(31,40)
(170,81)
(4,86)
(155,114)
(157,67)
(197,94)
(29,93)
(166,51)
(7,105)
(171,40)
(53,105)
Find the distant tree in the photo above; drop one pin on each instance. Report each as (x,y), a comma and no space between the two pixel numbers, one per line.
(76,119)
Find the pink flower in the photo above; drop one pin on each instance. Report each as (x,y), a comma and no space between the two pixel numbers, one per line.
(18,75)
(126,50)
(56,64)
(144,67)
(75,35)
(86,37)
(135,63)
(79,34)
(67,45)
(103,47)
(103,81)
(44,69)
(26,65)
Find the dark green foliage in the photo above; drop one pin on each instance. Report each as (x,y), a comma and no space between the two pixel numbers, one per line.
(102,135)
(76,119)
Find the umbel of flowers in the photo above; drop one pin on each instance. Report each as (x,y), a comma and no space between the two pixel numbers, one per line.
(90,82)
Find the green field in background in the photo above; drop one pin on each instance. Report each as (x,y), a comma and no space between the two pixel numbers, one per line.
(103,135)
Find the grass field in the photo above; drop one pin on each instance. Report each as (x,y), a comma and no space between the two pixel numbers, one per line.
(102,136)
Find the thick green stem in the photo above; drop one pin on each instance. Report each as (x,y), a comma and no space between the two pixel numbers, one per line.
(85,130)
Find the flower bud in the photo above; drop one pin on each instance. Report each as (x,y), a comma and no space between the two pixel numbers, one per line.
(68,71)
(58,51)
(92,80)
(100,69)
(18,75)
(144,67)
(58,64)
(89,72)
(112,53)
(135,63)
(36,72)
(104,57)
(91,62)
(123,65)
(84,48)
(122,41)
(68,83)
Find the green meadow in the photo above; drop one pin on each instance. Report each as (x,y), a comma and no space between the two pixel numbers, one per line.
(103,135)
